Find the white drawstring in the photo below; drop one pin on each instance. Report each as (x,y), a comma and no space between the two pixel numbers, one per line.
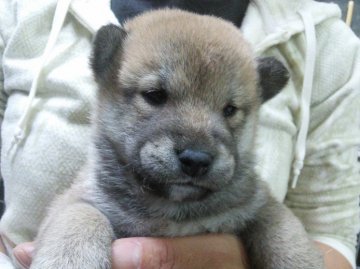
(300,146)
(350,13)
(62,8)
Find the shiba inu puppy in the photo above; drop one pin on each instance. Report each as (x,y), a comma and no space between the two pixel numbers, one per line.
(172,147)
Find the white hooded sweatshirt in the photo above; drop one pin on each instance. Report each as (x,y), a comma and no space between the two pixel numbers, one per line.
(307,136)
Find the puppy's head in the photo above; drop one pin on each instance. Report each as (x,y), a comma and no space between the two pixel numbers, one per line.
(178,100)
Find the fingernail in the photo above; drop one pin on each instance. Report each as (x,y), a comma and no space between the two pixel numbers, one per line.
(23,254)
(126,253)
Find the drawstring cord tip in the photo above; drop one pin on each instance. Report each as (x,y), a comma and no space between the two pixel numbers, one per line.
(19,135)
(297,167)
(295,179)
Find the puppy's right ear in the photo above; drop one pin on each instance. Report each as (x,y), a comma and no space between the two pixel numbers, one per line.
(106,54)
(273,77)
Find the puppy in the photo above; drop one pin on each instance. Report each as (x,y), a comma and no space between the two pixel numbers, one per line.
(172,147)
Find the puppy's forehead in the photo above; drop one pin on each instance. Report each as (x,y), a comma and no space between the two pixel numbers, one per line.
(187,52)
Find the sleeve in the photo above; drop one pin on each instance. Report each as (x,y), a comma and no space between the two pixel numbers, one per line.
(5,262)
(2,92)
(3,97)
(326,197)
(5,20)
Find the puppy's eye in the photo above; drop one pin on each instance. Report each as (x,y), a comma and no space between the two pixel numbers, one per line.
(229,111)
(155,97)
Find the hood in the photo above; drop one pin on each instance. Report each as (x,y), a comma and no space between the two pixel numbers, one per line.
(92,15)
(271,22)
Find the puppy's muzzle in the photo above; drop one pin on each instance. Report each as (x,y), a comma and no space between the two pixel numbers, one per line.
(195,163)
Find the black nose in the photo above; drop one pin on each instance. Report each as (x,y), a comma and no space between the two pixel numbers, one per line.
(194,163)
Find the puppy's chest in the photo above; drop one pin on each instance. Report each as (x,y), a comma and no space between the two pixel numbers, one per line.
(228,222)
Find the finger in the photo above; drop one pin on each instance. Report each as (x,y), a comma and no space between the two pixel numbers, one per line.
(206,251)
(23,253)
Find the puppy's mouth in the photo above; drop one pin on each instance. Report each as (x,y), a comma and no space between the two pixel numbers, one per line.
(179,192)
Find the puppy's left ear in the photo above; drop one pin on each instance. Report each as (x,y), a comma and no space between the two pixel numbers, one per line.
(273,77)
(106,54)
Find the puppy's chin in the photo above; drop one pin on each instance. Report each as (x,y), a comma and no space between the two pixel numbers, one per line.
(186,193)
(180,192)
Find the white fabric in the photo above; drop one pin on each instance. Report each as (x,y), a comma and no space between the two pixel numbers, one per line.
(57,133)
(5,262)
(59,17)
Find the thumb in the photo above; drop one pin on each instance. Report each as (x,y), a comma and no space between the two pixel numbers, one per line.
(204,251)
(23,254)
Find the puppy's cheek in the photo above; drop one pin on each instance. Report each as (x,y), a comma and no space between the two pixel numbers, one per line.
(223,168)
(158,159)
(128,148)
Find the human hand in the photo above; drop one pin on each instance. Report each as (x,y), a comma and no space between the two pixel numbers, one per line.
(204,251)
(23,254)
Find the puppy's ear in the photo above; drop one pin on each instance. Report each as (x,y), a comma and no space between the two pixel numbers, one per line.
(106,54)
(273,77)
